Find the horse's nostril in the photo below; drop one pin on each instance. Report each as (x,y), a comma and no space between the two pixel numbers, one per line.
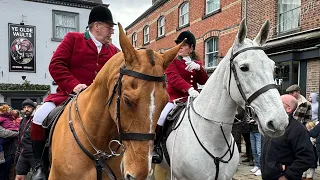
(270,125)
(129,177)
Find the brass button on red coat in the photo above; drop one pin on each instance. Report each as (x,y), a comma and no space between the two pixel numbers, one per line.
(191,76)
(191,81)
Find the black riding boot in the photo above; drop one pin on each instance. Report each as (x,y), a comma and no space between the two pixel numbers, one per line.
(40,172)
(157,150)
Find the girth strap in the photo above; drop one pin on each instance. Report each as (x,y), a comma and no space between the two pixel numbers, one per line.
(138,136)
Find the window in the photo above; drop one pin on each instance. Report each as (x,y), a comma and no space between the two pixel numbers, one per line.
(212,5)
(134,39)
(289,14)
(211,59)
(161,26)
(184,14)
(146,34)
(64,22)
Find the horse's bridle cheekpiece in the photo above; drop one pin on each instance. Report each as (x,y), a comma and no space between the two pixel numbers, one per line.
(100,156)
(250,112)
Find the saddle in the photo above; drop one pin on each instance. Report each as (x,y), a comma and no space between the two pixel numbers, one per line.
(170,125)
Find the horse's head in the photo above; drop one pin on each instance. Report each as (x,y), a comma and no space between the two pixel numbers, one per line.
(142,97)
(255,70)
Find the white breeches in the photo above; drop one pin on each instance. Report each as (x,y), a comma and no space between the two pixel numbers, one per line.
(164,113)
(43,112)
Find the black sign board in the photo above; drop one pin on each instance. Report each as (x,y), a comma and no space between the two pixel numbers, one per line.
(22,51)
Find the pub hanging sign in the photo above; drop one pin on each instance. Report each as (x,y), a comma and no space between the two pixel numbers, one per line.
(22,52)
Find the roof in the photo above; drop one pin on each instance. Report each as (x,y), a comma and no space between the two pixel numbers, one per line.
(155,6)
(87,4)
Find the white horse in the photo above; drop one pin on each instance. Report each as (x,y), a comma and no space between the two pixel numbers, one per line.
(202,147)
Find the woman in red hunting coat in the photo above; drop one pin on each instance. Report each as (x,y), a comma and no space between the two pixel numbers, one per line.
(73,67)
(183,74)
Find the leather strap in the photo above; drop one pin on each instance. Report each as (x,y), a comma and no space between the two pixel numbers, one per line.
(261,91)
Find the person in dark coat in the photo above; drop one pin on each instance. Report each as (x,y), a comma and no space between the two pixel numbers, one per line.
(288,156)
(74,66)
(315,133)
(24,154)
(183,74)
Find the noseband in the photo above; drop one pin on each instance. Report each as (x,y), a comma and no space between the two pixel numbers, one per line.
(250,112)
(100,156)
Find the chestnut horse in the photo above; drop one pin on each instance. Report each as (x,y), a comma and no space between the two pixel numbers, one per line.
(124,101)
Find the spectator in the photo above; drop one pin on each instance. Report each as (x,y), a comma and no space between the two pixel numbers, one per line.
(309,176)
(24,151)
(287,156)
(315,133)
(255,139)
(303,112)
(314,100)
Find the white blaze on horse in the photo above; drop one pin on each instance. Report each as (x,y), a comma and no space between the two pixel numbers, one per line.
(202,147)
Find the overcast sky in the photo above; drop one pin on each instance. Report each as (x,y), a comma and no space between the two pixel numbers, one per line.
(125,12)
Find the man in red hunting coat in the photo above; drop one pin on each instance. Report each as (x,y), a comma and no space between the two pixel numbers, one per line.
(74,65)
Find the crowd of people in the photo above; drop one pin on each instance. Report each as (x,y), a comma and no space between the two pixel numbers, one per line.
(294,155)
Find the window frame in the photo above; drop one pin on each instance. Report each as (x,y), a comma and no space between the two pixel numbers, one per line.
(161,27)
(181,15)
(212,1)
(215,51)
(134,39)
(144,34)
(281,29)
(64,13)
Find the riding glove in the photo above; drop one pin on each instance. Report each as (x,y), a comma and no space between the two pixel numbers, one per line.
(191,65)
(193,93)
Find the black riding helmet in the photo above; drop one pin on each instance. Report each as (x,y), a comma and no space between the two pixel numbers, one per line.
(100,13)
(189,36)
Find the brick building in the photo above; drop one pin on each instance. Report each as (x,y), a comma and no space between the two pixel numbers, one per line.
(213,22)
(294,41)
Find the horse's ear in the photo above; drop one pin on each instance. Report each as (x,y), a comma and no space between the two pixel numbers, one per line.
(171,54)
(242,33)
(127,49)
(263,34)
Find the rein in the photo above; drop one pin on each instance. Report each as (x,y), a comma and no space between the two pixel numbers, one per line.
(216,159)
(100,156)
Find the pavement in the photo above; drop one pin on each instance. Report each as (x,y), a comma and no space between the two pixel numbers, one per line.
(243,172)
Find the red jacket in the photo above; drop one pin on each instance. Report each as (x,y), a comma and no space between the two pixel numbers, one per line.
(180,80)
(76,61)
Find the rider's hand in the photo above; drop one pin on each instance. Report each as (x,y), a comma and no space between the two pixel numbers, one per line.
(191,65)
(78,88)
(193,93)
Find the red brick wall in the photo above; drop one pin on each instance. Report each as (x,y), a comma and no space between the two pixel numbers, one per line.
(260,10)
(313,75)
(226,22)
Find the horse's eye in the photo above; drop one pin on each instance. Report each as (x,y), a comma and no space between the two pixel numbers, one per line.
(128,102)
(244,67)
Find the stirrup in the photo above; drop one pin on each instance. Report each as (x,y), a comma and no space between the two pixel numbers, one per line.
(39,173)
(157,156)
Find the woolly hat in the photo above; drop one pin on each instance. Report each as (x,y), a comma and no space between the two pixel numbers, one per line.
(28,102)
(100,13)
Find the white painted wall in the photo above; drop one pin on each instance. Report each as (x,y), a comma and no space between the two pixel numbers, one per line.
(40,16)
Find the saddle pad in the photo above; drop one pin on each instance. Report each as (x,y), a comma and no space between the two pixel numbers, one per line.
(170,125)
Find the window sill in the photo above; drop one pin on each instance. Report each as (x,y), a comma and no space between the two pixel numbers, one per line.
(184,26)
(211,14)
(291,31)
(160,37)
(144,44)
(56,39)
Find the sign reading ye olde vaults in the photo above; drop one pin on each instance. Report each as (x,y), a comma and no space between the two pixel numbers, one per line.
(22,48)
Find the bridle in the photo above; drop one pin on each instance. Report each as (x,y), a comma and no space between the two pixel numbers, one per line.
(100,156)
(249,110)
